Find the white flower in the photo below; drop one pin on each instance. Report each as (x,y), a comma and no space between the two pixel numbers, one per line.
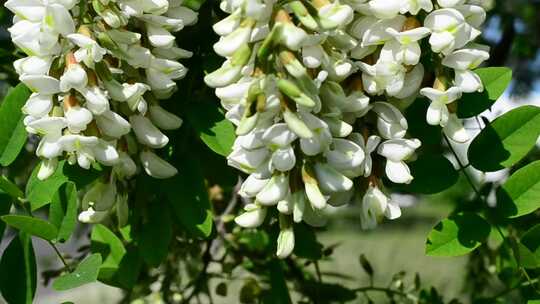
(449,29)
(334,15)
(227,45)
(346,156)
(455,130)
(50,128)
(376,204)
(247,160)
(33,65)
(390,123)
(47,168)
(385,9)
(274,191)
(368,147)
(74,77)
(253,216)
(45,85)
(321,137)
(96,100)
(163,119)
(91,216)
(438,113)
(147,133)
(156,166)
(330,180)
(405,48)
(77,118)
(396,152)
(252,186)
(89,51)
(463,61)
(285,243)
(112,124)
(38,105)
(414,6)
(81,147)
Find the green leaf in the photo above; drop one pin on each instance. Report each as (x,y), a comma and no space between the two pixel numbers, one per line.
(110,247)
(279,292)
(213,129)
(529,248)
(495,80)
(63,210)
(520,194)
(156,234)
(457,235)
(40,193)
(10,188)
(187,194)
(432,174)
(306,244)
(121,266)
(12,130)
(33,226)
(507,140)
(85,273)
(18,269)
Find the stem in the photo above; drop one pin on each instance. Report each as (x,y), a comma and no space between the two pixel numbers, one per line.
(318,271)
(60,255)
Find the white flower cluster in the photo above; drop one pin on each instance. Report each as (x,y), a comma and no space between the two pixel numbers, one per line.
(317,89)
(96,83)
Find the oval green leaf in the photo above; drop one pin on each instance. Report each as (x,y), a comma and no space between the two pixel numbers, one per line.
(19,262)
(85,273)
(457,235)
(507,140)
(33,226)
(212,127)
(529,248)
(520,194)
(10,188)
(63,210)
(12,131)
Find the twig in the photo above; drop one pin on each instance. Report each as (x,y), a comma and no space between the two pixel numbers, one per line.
(60,256)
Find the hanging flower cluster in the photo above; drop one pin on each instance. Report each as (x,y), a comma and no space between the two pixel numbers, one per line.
(97,70)
(317,90)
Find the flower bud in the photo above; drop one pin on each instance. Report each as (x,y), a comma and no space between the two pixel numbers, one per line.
(253,216)
(147,133)
(164,119)
(157,167)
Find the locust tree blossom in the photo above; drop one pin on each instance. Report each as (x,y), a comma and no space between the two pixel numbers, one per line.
(318,93)
(87,106)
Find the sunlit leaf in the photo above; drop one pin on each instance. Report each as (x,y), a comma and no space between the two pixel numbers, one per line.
(507,140)
(457,235)
(12,131)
